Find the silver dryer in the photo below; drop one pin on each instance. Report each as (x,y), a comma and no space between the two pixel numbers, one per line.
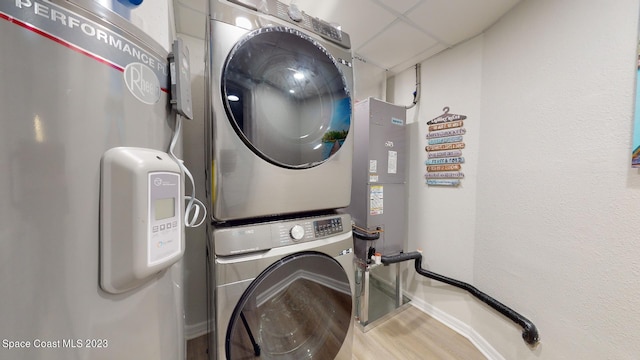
(279,133)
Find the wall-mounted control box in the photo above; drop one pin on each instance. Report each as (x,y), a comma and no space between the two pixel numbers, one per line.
(180,79)
(141,216)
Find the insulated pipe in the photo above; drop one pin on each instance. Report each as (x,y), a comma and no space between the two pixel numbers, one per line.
(529,332)
(364,235)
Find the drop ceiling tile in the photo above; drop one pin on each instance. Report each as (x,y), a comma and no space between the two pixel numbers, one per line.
(397,43)
(410,62)
(400,6)
(453,21)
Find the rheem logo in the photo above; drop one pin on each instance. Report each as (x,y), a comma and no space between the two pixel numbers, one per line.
(142,82)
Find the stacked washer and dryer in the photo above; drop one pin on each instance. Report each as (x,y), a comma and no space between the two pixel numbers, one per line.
(279,166)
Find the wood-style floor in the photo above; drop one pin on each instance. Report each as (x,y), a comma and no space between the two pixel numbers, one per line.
(413,335)
(408,335)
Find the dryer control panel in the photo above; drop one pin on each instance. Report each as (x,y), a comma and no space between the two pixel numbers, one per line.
(265,236)
(291,14)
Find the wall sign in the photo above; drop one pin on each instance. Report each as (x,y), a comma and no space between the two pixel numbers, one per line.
(635,149)
(444,149)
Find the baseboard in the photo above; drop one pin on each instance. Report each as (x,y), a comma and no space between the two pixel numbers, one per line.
(460,327)
(195,330)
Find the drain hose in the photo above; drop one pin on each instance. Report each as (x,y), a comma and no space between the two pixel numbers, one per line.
(529,332)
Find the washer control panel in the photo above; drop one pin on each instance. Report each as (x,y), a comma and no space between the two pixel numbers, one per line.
(245,239)
(291,232)
(327,227)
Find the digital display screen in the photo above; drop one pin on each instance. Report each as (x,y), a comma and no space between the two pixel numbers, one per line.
(165,208)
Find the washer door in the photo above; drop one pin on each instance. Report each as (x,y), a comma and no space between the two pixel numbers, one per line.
(298,308)
(286,97)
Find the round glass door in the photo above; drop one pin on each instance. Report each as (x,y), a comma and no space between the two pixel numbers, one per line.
(286,97)
(299,308)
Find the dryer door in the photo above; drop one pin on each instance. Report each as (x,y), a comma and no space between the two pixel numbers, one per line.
(298,308)
(286,97)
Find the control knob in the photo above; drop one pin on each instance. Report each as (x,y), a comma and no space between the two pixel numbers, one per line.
(297,232)
(294,13)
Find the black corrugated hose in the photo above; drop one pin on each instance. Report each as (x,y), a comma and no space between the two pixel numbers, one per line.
(529,332)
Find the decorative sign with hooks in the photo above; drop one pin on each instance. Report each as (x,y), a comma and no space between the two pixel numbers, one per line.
(635,150)
(444,149)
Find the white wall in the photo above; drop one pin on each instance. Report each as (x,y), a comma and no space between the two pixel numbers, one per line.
(369,81)
(442,219)
(547,217)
